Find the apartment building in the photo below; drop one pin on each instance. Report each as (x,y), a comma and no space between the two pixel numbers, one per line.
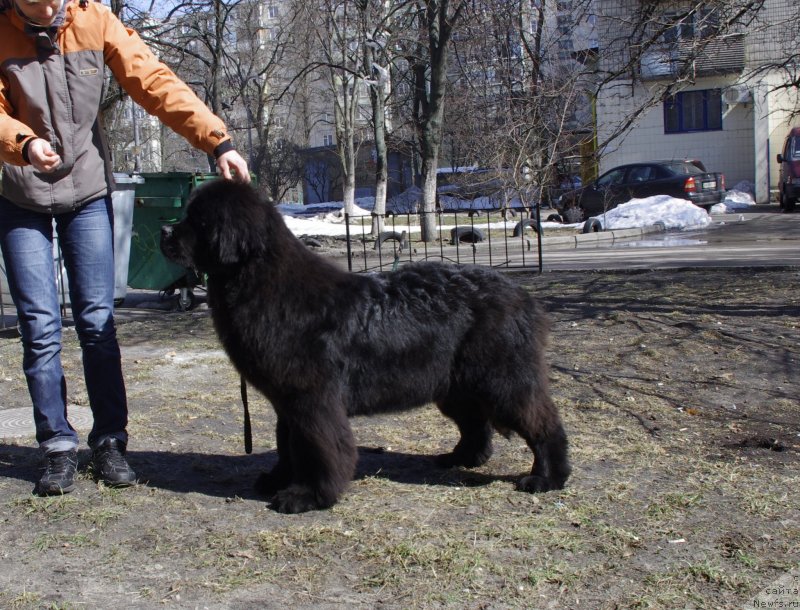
(686,85)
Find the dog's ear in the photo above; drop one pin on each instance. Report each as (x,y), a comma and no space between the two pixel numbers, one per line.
(241,228)
(238,240)
(231,221)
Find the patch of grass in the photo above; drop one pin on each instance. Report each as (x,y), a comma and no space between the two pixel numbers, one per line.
(25,599)
(705,571)
(43,542)
(51,508)
(666,506)
(553,573)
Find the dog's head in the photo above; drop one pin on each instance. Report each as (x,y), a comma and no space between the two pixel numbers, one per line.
(226,224)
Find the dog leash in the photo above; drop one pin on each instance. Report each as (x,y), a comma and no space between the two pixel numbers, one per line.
(248,431)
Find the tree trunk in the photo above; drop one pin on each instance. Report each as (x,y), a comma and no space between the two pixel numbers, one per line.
(429,101)
(428,218)
(377,95)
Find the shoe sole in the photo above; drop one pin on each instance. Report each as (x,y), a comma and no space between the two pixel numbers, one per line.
(43,493)
(117,484)
(109,483)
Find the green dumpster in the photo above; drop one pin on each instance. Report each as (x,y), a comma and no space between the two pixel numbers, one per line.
(160,199)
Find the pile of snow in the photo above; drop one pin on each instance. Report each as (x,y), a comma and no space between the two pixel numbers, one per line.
(329,209)
(745,186)
(739,197)
(671,212)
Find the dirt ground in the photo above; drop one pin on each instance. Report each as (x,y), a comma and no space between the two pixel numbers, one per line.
(679,390)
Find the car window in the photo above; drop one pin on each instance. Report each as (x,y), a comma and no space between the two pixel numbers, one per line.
(641,173)
(614,177)
(684,168)
(659,173)
(794,148)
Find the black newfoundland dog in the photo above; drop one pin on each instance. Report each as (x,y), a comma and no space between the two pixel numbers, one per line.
(323,344)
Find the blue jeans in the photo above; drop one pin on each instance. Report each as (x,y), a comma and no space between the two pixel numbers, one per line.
(87,246)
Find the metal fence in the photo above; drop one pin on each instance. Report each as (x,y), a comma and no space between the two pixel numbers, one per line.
(509,238)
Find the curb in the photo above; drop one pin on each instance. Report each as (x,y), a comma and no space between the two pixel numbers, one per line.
(573,241)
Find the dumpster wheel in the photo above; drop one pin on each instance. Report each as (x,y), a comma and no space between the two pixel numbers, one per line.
(186,299)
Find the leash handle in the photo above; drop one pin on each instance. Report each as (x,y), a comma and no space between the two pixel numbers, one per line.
(248,431)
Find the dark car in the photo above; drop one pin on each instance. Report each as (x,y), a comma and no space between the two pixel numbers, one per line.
(789,159)
(683,179)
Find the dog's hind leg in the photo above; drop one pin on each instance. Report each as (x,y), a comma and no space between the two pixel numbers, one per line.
(281,474)
(543,431)
(474,447)
(323,458)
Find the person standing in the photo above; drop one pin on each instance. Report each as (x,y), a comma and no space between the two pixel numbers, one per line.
(57,172)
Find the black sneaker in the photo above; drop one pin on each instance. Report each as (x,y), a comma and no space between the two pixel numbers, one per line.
(110,465)
(59,474)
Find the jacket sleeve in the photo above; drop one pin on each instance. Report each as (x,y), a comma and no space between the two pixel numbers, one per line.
(157,89)
(13,134)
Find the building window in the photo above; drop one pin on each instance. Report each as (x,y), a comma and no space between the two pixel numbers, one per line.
(272,12)
(327,139)
(679,27)
(693,111)
(564,20)
(703,23)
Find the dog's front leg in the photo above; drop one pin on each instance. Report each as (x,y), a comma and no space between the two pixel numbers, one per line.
(280,477)
(323,456)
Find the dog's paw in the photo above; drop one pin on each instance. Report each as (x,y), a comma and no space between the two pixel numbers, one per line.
(536,484)
(297,499)
(268,483)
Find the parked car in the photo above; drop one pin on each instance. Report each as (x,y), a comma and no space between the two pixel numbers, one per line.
(789,181)
(683,179)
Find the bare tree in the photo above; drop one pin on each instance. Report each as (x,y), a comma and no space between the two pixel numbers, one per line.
(427,56)
(514,107)
(373,15)
(338,40)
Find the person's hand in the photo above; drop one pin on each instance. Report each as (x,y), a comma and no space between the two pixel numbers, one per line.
(42,156)
(232,160)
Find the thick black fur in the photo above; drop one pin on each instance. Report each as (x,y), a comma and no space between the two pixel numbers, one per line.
(323,344)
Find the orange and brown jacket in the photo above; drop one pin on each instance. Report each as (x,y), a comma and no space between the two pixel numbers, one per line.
(51,85)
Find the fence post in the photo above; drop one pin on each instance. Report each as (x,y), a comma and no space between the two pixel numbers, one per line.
(539,230)
(347,234)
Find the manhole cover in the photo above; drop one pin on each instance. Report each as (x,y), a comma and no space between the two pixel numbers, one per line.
(15,423)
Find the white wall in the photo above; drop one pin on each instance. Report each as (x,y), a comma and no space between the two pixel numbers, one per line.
(777,117)
(730,150)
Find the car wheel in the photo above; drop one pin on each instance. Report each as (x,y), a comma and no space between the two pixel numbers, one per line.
(592,226)
(400,238)
(555,218)
(527,223)
(573,215)
(471,235)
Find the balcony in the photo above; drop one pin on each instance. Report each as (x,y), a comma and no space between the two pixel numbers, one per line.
(724,55)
